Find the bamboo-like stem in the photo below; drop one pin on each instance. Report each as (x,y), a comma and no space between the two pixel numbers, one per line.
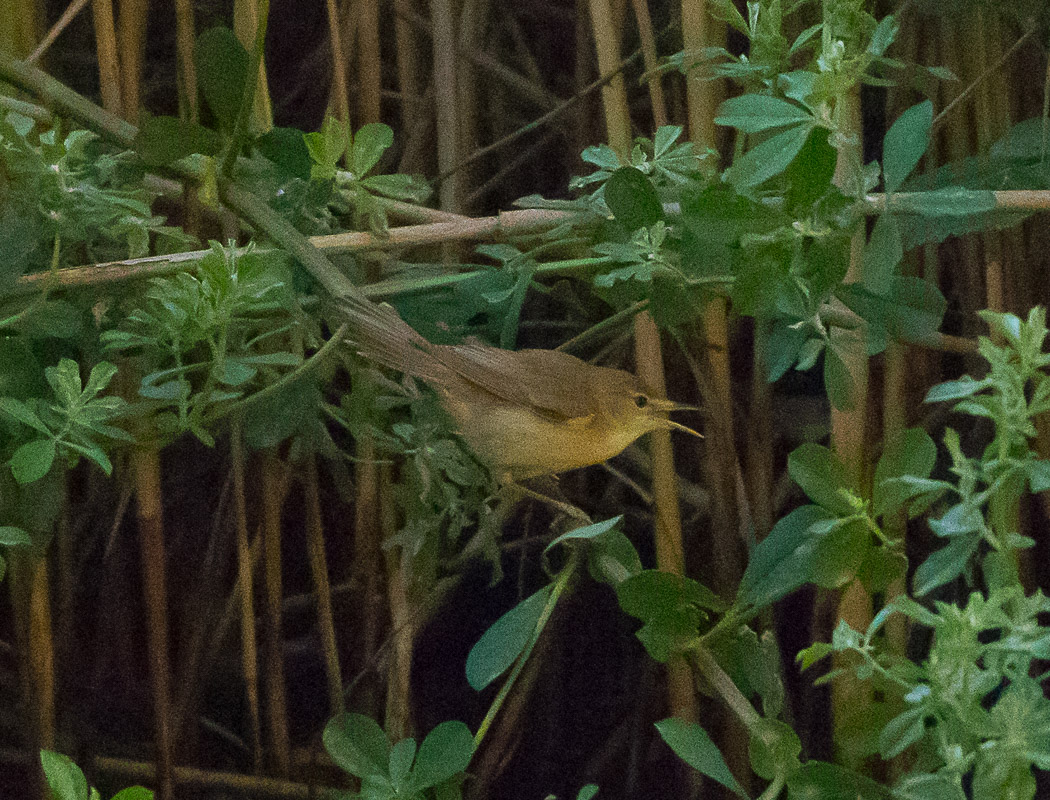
(245,586)
(108,63)
(68,15)
(187,69)
(249,786)
(849,696)
(277,711)
(648,40)
(131,34)
(30,594)
(399,723)
(759,454)
(340,92)
(322,588)
(407,65)
(368,567)
(145,465)
(614,93)
(469,39)
(369,65)
(442,20)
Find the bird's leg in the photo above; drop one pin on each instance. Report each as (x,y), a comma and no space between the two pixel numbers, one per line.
(563,506)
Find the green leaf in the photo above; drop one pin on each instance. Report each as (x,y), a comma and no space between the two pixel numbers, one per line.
(286,148)
(402,754)
(884,34)
(502,643)
(612,559)
(671,606)
(134,793)
(64,778)
(944,565)
(905,143)
(882,254)
(222,71)
(1038,475)
(818,780)
(632,199)
(691,743)
(913,453)
(924,786)
(838,381)
(591,531)
(326,148)
(788,557)
(752,113)
(411,188)
(370,142)
(768,159)
(33,460)
(951,201)
(823,477)
(774,749)
(809,176)
(902,732)
(446,751)
(164,140)
(587,792)
(358,745)
(24,414)
(11,536)
(955,390)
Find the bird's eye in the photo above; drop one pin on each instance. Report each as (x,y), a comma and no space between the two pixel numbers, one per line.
(641,400)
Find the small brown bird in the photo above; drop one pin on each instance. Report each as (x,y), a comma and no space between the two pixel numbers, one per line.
(524,413)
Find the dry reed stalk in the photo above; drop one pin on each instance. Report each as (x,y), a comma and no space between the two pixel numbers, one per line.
(446,97)
(108,56)
(245,588)
(407,66)
(649,53)
(340,93)
(131,40)
(322,587)
(849,696)
(145,465)
(69,13)
(273,481)
(369,62)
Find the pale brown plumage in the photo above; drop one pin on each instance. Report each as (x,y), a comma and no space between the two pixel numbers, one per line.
(524,413)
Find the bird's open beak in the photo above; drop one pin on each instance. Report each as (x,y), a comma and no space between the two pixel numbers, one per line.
(666,406)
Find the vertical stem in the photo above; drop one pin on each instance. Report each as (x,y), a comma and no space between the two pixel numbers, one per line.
(614,93)
(249,646)
(849,696)
(649,54)
(399,581)
(442,18)
(759,436)
(277,715)
(146,468)
(132,33)
(407,67)
(30,596)
(108,63)
(470,28)
(369,64)
(322,588)
(367,553)
(340,92)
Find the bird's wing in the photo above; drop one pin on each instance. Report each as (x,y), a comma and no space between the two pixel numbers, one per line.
(548,381)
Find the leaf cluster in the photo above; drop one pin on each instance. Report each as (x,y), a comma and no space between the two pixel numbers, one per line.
(203,339)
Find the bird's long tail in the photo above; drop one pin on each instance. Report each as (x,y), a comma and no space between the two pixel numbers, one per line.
(377,332)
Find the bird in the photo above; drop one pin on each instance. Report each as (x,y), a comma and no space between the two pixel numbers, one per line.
(524,413)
